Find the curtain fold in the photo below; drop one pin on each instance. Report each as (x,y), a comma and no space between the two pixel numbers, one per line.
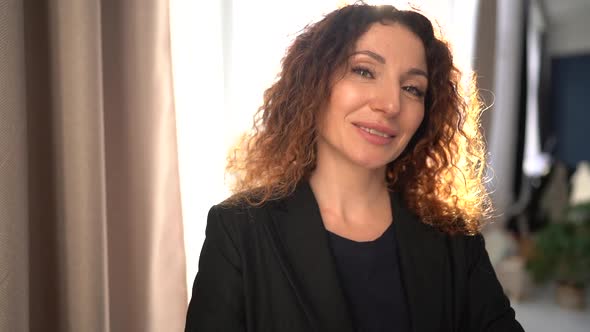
(13,177)
(78,136)
(140,145)
(106,244)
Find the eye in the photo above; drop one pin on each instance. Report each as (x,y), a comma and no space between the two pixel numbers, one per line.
(363,72)
(414,90)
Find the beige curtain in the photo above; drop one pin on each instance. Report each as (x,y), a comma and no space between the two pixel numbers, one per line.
(14,299)
(93,180)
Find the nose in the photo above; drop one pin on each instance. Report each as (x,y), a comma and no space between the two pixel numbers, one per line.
(386,99)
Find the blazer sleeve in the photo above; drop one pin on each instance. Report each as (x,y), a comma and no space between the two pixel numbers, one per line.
(489,308)
(217,297)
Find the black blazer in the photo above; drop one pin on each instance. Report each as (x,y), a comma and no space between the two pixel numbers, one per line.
(270,268)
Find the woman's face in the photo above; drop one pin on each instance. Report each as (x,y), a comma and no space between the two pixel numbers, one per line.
(377,102)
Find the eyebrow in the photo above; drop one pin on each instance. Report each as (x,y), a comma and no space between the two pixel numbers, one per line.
(417,72)
(380,59)
(371,54)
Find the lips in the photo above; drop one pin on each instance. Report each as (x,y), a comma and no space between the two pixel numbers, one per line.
(376,129)
(375,134)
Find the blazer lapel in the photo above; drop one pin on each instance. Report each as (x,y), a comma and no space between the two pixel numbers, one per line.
(424,269)
(304,248)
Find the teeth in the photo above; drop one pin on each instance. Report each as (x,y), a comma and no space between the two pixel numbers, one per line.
(374,132)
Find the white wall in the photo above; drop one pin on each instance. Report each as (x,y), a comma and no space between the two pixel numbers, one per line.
(570,34)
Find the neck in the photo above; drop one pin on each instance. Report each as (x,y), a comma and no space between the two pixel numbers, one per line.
(346,189)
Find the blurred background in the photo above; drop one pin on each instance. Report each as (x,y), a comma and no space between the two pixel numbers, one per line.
(116,117)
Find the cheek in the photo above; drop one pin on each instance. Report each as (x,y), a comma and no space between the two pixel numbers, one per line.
(346,97)
(328,122)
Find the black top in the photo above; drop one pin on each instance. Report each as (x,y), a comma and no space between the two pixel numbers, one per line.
(270,268)
(370,277)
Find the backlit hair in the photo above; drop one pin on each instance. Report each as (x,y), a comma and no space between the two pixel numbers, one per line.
(439,174)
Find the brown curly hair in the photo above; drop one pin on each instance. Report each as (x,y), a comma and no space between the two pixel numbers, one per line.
(439,174)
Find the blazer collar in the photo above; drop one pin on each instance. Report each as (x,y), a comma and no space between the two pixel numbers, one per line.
(306,250)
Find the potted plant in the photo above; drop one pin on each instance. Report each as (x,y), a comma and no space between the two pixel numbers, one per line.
(561,251)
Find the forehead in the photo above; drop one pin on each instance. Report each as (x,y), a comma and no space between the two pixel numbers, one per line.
(395,42)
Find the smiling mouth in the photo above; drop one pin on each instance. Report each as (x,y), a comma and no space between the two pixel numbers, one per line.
(374,132)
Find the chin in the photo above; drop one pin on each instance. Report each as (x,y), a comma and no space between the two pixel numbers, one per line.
(374,163)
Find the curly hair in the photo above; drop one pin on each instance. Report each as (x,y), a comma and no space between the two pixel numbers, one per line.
(440,174)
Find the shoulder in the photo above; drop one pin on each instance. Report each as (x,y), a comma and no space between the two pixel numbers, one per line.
(237,217)
(466,241)
(468,250)
(244,203)
(240,210)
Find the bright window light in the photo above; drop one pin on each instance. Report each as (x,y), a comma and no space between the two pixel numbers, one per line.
(225,53)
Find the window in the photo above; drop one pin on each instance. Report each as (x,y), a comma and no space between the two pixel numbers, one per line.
(225,53)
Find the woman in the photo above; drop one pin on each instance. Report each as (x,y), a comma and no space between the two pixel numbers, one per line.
(359,193)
